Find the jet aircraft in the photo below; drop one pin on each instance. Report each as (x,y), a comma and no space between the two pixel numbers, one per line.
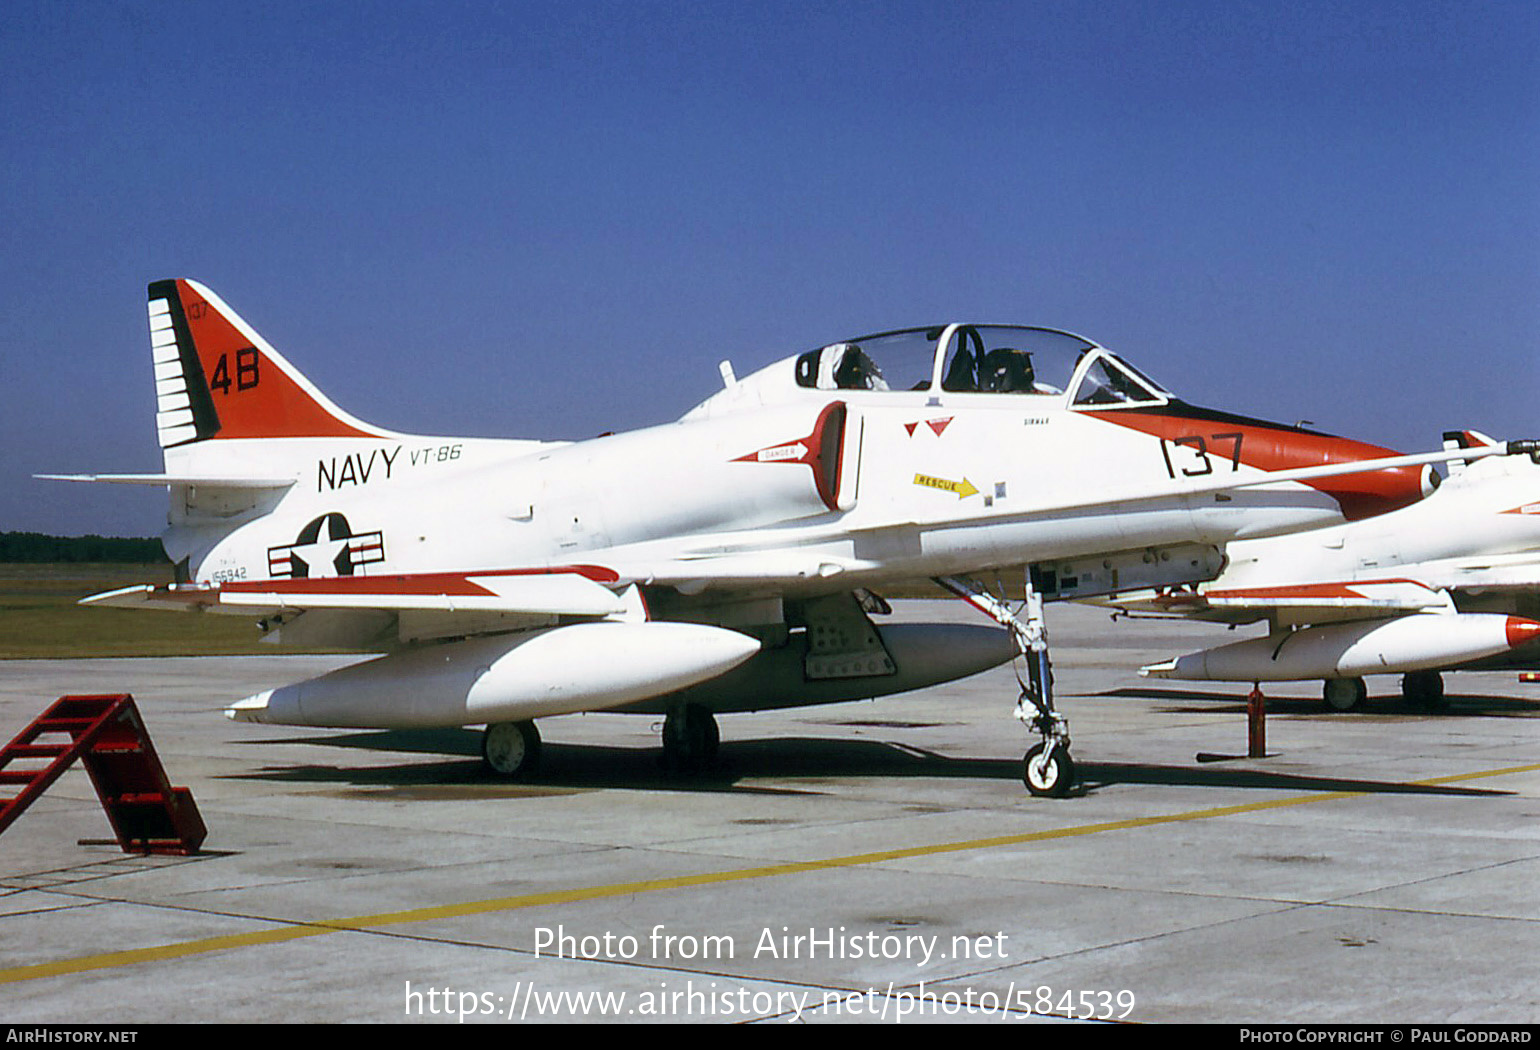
(728,561)
(1445,582)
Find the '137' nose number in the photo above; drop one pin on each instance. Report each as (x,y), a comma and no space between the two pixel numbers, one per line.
(1190,453)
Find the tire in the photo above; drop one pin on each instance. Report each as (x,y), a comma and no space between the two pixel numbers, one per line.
(1424,689)
(1344,694)
(690,739)
(1051,779)
(511,749)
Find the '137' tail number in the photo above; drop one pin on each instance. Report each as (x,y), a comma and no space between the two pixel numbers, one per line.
(1190,453)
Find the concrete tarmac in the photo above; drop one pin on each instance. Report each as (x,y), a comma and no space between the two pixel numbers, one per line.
(875,861)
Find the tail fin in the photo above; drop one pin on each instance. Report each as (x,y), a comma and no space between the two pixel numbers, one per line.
(216,378)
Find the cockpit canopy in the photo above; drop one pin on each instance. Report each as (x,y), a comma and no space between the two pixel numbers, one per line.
(980,359)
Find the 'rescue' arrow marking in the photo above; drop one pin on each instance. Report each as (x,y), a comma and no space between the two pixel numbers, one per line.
(963,488)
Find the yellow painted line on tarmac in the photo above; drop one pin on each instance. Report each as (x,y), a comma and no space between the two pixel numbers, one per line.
(298,930)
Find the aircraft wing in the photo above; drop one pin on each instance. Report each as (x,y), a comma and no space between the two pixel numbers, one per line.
(1421,587)
(574,591)
(691,573)
(1318,602)
(1490,573)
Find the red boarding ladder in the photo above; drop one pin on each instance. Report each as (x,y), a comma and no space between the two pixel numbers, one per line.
(148,815)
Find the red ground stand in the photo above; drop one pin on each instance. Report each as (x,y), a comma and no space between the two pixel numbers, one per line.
(108,736)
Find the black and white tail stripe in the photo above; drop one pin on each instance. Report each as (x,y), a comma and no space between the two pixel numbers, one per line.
(184,410)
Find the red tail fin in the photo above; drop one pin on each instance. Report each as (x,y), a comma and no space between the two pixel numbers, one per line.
(217,378)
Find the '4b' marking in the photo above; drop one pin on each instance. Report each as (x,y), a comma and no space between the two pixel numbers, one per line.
(246,371)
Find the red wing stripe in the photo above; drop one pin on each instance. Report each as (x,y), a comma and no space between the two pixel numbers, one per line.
(1313,590)
(430,583)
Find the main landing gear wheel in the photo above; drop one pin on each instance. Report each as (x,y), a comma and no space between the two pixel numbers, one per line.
(690,739)
(1048,776)
(511,749)
(1344,694)
(1424,689)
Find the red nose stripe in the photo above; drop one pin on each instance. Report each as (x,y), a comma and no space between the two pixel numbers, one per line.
(1228,440)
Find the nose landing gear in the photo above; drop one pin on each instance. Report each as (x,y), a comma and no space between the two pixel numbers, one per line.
(1047,770)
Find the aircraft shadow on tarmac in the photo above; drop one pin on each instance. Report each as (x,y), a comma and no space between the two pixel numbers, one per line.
(1460,705)
(814,761)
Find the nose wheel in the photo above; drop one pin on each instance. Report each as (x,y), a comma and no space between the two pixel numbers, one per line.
(1047,770)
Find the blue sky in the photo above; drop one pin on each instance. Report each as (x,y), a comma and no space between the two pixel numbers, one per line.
(552,220)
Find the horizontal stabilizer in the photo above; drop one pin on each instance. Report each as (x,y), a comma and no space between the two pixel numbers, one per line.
(209,480)
(177,597)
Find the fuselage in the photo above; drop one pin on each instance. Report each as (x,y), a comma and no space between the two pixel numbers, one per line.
(859,475)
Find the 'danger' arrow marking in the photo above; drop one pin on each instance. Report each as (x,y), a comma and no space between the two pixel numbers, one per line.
(963,488)
(797,453)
